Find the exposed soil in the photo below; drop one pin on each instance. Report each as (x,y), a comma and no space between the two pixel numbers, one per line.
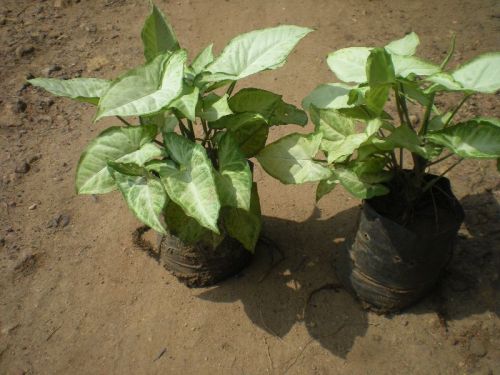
(77,297)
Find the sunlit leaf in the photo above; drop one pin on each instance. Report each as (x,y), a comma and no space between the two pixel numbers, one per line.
(406,46)
(120,144)
(329,95)
(480,74)
(145,90)
(291,159)
(157,35)
(255,51)
(144,194)
(83,89)
(349,64)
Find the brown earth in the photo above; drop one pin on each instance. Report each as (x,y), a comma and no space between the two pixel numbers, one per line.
(76,297)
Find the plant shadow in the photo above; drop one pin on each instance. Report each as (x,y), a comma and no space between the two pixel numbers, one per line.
(469,285)
(275,302)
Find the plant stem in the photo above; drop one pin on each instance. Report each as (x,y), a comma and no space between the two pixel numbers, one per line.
(427,115)
(457,108)
(439,160)
(184,130)
(450,53)
(404,107)
(401,160)
(158,143)
(123,120)
(432,182)
(191,130)
(398,106)
(231,88)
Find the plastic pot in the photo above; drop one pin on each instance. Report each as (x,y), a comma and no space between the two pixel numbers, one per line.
(390,266)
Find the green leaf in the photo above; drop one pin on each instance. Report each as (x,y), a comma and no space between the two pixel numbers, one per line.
(326,186)
(480,74)
(245,226)
(144,193)
(121,144)
(157,35)
(371,170)
(412,91)
(192,185)
(250,130)
(204,58)
(379,68)
(438,121)
(290,159)
(354,185)
(475,139)
(187,229)
(329,95)
(406,46)
(234,181)
(349,64)
(214,107)
(443,82)
(83,89)
(255,51)
(404,137)
(376,98)
(406,65)
(145,90)
(186,103)
(331,123)
(271,106)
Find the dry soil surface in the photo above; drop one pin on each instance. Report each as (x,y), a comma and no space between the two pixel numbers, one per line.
(76,296)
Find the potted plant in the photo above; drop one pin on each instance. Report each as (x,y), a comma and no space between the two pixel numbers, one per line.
(183,169)
(409,218)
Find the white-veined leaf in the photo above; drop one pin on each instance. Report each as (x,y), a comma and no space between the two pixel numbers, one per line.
(481,74)
(147,89)
(214,107)
(83,89)
(192,185)
(234,180)
(204,58)
(255,51)
(354,185)
(144,194)
(121,144)
(406,65)
(349,64)
(291,159)
(406,46)
(186,103)
(475,139)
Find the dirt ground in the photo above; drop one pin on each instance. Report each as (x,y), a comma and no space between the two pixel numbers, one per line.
(76,296)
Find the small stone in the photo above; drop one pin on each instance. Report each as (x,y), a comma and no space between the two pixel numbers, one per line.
(21,106)
(34,158)
(52,223)
(92,28)
(33,207)
(477,347)
(46,72)
(97,63)
(23,51)
(64,221)
(22,168)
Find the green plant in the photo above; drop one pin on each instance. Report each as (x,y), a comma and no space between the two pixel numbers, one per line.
(197,180)
(364,146)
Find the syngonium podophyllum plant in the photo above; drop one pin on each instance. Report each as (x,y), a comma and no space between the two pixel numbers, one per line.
(363,146)
(196,182)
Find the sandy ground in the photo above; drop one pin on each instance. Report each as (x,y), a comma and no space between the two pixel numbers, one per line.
(76,296)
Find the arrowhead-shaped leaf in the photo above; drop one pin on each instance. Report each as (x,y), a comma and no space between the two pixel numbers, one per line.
(204,58)
(271,106)
(357,187)
(144,193)
(329,96)
(157,35)
(244,225)
(250,131)
(234,181)
(83,89)
(255,51)
(406,65)
(406,46)
(349,64)
(214,107)
(481,74)
(478,138)
(379,68)
(290,159)
(120,144)
(192,185)
(145,90)
(187,229)
(186,103)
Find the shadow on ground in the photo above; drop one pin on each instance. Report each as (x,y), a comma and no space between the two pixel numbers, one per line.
(470,284)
